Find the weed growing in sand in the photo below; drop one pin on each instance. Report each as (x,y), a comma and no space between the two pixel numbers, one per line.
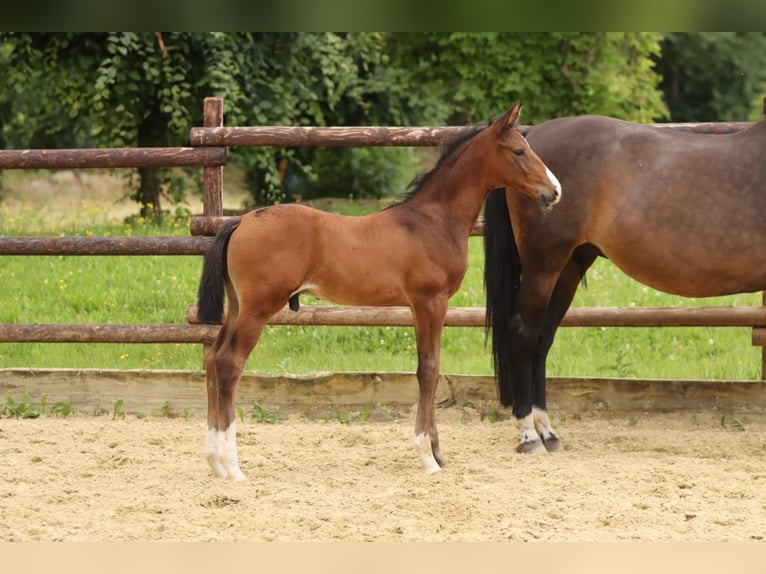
(22,409)
(62,409)
(736,422)
(25,409)
(165,410)
(261,415)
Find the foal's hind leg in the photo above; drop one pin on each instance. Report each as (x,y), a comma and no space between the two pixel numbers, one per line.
(229,361)
(211,443)
(429,320)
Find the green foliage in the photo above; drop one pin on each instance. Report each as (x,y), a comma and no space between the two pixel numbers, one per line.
(714,76)
(146,89)
(553,74)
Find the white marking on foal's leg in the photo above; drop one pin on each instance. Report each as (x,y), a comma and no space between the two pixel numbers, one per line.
(221,451)
(211,451)
(530,441)
(422,444)
(227,452)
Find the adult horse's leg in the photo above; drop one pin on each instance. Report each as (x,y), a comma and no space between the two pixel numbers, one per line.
(525,328)
(561,299)
(429,321)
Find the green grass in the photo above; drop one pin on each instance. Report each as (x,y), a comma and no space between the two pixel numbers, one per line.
(54,289)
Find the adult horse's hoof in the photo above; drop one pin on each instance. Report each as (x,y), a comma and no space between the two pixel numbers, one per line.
(552,444)
(530,446)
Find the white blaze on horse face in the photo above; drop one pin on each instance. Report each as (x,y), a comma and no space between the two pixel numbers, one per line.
(422,444)
(221,449)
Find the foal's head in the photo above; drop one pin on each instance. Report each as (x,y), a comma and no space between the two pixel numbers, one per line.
(514,164)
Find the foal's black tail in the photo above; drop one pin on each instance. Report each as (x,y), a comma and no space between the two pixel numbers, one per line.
(502,276)
(214,276)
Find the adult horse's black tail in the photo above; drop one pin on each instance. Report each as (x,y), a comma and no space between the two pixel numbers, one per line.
(214,276)
(502,276)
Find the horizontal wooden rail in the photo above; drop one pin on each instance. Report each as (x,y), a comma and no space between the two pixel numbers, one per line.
(575,317)
(106,333)
(104,245)
(383,316)
(291,136)
(209,225)
(112,157)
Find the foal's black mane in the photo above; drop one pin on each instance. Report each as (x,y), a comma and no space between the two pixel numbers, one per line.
(421,180)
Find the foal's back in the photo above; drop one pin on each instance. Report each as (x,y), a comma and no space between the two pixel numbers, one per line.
(376,259)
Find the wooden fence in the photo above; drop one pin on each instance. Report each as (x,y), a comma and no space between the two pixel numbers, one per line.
(208,151)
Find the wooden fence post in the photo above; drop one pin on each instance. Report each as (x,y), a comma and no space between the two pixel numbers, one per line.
(213,176)
(212,182)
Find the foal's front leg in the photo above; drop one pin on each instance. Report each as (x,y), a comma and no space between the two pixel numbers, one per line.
(429,321)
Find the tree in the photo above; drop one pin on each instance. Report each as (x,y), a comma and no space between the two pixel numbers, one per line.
(554,74)
(326,79)
(713,76)
(146,89)
(105,89)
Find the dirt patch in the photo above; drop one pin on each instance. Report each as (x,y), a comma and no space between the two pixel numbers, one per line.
(659,477)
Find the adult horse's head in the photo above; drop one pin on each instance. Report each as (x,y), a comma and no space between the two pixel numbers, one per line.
(518,166)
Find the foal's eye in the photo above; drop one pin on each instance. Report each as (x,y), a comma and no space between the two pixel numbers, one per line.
(518,152)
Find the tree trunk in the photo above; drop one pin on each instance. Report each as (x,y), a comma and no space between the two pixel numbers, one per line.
(149,193)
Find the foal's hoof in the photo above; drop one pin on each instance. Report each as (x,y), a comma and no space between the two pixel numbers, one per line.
(552,444)
(530,446)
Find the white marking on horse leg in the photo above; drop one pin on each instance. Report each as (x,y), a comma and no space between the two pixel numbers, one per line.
(211,451)
(422,444)
(542,423)
(227,452)
(530,440)
(544,428)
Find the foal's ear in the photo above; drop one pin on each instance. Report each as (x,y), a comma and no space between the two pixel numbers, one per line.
(511,117)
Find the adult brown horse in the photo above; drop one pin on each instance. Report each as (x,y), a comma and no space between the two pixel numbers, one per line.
(413,253)
(678,211)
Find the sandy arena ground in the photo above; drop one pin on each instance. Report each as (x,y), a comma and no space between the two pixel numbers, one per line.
(650,478)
